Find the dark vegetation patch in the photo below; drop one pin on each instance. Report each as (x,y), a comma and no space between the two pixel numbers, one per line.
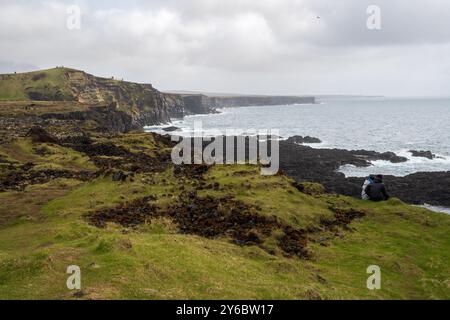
(342,218)
(18,177)
(39,135)
(48,93)
(110,157)
(209,217)
(311,189)
(294,242)
(39,76)
(191,171)
(126,214)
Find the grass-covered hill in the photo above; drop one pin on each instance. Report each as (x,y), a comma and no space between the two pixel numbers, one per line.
(145,104)
(141,228)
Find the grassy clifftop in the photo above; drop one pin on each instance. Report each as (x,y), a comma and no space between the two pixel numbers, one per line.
(48,85)
(145,104)
(117,207)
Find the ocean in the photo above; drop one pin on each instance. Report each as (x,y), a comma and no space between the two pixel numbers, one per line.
(380,124)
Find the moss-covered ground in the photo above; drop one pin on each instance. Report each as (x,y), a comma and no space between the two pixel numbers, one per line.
(43,230)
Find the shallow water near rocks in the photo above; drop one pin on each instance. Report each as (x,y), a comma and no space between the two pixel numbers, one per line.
(436,208)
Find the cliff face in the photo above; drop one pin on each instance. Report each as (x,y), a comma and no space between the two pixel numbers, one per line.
(61,119)
(204,104)
(198,104)
(145,104)
(246,101)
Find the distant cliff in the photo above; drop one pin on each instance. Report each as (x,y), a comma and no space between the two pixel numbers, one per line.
(198,103)
(246,101)
(204,104)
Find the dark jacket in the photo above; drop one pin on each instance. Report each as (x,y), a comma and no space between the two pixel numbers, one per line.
(377,191)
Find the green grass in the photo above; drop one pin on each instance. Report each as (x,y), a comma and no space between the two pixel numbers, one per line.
(410,244)
(15,87)
(45,156)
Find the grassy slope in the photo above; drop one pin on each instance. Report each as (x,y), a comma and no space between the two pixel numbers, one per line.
(53,85)
(13,88)
(46,233)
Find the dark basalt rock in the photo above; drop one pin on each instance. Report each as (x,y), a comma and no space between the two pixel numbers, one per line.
(373,155)
(121,176)
(302,140)
(39,135)
(171,129)
(418,188)
(17,178)
(423,154)
(305,164)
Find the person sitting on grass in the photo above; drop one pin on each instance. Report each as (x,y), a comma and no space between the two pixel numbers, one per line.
(368,181)
(377,190)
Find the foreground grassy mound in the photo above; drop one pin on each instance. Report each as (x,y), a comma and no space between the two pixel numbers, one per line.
(140,228)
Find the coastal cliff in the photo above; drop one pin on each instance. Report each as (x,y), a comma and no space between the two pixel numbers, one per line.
(199,103)
(142,102)
(79,186)
(247,101)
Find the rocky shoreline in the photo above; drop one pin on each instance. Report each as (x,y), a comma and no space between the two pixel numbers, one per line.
(304,163)
(307,164)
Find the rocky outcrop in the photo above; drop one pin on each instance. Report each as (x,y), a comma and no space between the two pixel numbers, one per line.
(302,140)
(145,104)
(171,129)
(39,135)
(319,165)
(373,156)
(107,118)
(422,154)
(175,105)
(60,119)
(198,104)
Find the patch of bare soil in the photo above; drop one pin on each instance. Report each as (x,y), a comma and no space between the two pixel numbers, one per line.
(342,219)
(209,217)
(39,135)
(191,171)
(18,177)
(330,228)
(109,157)
(344,216)
(294,242)
(126,214)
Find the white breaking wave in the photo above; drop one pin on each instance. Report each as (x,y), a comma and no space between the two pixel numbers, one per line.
(414,164)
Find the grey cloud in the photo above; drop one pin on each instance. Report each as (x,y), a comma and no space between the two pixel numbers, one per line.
(265,46)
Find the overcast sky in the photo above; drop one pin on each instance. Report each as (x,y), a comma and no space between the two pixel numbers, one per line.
(247,46)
